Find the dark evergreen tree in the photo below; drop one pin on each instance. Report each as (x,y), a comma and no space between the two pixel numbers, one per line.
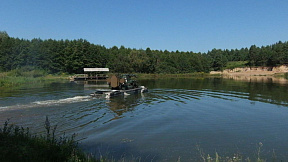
(253,55)
(3,35)
(71,56)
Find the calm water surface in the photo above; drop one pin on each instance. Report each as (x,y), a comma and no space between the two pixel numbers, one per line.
(171,121)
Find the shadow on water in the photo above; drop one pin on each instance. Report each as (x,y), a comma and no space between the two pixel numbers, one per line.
(121,104)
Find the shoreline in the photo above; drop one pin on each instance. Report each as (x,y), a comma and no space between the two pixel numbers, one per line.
(256,74)
(253,71)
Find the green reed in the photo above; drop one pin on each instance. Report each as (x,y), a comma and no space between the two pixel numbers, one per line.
(17,143)
(24,76)
(236,157)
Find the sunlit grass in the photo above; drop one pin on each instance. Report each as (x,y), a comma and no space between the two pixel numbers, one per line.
(20,77)
(235,158)
(236,64)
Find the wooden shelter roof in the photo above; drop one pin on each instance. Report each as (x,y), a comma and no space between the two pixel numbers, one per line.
(95,69)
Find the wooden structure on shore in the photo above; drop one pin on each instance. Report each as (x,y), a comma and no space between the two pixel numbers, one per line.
(91,74)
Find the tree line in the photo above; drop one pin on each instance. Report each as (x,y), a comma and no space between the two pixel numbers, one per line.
(71,56)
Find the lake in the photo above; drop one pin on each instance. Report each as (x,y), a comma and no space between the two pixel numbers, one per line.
(176,119)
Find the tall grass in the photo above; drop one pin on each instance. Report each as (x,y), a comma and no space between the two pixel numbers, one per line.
(18,144)
(236,157)
(25,75)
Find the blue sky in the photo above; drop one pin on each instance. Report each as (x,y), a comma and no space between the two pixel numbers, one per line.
(184,25)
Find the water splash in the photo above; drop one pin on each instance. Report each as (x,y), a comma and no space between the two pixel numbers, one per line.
(48,103)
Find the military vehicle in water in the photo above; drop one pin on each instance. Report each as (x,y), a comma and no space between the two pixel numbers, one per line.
(120,85)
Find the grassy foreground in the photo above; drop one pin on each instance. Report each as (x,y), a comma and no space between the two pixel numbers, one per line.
(18,144)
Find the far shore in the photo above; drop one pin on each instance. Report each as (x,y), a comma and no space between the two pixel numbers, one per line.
(253,71)
(248,73)
(263,74)
(257,74)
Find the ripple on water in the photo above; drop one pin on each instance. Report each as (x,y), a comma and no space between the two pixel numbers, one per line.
(165,122)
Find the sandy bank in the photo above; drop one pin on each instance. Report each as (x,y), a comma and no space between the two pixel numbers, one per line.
(253,71)
(259,74)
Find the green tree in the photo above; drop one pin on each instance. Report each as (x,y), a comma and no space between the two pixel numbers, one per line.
(3,35)
(253,55)
(6,59)
(152,60)
(219,60)
(20,52)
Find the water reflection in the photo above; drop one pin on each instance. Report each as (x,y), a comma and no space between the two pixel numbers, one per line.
(174,116)
(257,78)
(122,104)
(93,84)
(264,90)
(177,114)
(160,91)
